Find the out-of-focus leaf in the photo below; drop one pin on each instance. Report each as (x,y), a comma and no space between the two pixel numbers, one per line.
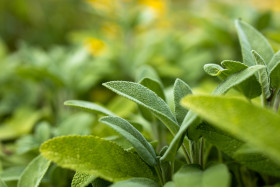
(11,174)
(82,179)
(136,182)
(95,156)
(34,172)
(275,60)
(2,183)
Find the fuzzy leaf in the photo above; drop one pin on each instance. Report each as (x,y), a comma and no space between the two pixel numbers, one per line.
(192,175)
(263,75)
(82,179)
(136,182)
(34,172)
(131,134)
(213,69)
(274,61)
(95,156)
(250,39)
(181,89)
(146,98)
(253,124)
(88,106)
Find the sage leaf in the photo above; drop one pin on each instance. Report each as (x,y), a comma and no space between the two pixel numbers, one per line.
(82,179)
(192,175)
(95,156)
(275,76)
(2,183)
(247,122)
(12,174)
(263,75)
(34,172)
(251,39)
(131,134)
(274,61)
(136,182)
(181,89)
(146,98)
(88,106)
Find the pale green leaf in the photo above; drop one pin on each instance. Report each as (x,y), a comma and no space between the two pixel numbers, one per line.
(95,156)
(213,69)
(181,89)
(136,182)
(146,98)
(263,75)
(82,179)
(250,39)
(34,172)
(274,61)
(191,175)
(131,134)
(11,174)
(245,121)
(2,183)
(88,106)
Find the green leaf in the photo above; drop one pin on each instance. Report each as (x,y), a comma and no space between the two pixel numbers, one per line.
(136,182)
(192,175)
(131,134)
(250,39)
(236,79)
(88,106)
(11,174)
(95,156)
(213,69)
(82,179)
(274,61)
(146,98)
(2,183)
(275,74)
(181,89)
(253,124)
(263,75)
(34,172)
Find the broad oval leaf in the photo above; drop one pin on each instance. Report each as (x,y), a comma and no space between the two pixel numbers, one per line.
(136,182)
(250,39)
(146,98)
(213,69)
(82,179)
(131,134)
(88,106)
(95,156)
(34,172)
(253,124)
(181,89)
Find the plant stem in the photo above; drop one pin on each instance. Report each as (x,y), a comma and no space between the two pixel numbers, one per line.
(188,158)
(201,153)
(195,152)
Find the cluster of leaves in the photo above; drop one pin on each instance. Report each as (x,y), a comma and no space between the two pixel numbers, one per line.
(225,140)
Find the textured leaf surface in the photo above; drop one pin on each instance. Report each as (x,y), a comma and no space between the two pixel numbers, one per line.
(263,75)
(146,98)
(82,179)
(88,106)
(137,140)
(192,175)
(250,39)
(136,182)
(34,172)
(95,156)
(181,89)
(253,124)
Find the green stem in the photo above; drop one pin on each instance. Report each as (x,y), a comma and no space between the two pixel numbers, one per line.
(201,153)
(171,168)
(195,152)
(188,158)
(159,174)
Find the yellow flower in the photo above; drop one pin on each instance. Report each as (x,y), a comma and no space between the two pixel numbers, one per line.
(106,6)
(95,46)
(157,6)
(111,29)
(273,5)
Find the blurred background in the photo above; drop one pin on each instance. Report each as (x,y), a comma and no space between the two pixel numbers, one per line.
(56,50)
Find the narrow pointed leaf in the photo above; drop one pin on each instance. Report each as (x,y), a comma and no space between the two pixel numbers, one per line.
(181,89)
(95,156)
(34,172)
(250,39)
(136,182)
(263,75)
(88,106)
(146,98)
(82,179)
(131,134)
(253,124)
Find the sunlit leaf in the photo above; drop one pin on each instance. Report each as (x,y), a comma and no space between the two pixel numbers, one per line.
(82,179)
(136,182)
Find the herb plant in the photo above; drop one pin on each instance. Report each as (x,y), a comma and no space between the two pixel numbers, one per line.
(196,140)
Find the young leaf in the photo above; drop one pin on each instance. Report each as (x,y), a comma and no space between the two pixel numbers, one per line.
(95,156)
(88,106)
(34,172)
(181,89)
(236,79)
(250,39)
(146,98)
(136,182)
(82,179)
(213,69)
(263,75)
(253,124)
(192,175)
(131,134)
